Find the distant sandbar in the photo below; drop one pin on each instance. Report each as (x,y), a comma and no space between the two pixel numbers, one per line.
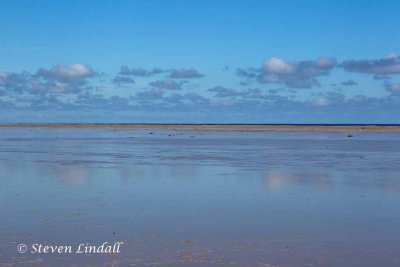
(207,126)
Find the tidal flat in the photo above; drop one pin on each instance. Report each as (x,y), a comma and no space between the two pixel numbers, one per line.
(200,197)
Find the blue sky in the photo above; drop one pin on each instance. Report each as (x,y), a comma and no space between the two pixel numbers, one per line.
(200,61)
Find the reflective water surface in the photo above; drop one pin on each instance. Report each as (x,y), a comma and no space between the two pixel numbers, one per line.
(201,197)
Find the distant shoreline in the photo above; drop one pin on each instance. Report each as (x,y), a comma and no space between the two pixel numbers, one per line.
(206,126)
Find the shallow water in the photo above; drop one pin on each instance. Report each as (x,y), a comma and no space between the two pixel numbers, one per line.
(201,197)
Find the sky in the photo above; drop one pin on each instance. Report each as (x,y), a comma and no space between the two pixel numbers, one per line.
(168,61)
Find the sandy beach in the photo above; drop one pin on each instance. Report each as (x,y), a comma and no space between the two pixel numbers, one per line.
(195,197)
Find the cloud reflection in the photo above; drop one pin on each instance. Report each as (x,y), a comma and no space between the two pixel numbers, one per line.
(278,179)
(72,174)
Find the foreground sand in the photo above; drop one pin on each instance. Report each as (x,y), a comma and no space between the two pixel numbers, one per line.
(194,197)
(207,126)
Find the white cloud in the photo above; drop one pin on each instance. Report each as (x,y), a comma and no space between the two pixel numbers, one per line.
(320,101)
(278,66)
(296,74)
(390,64)
(67,72)
(392,87)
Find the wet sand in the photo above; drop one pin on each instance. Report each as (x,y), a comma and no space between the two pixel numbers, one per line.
(201,197)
